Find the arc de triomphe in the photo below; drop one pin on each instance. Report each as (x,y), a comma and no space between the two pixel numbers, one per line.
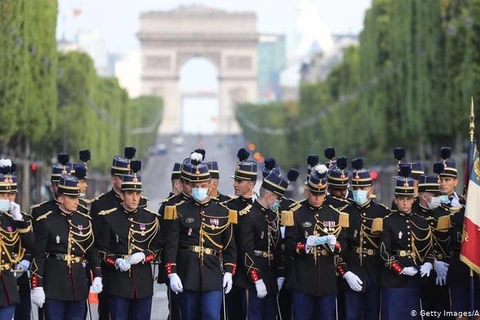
(229,40)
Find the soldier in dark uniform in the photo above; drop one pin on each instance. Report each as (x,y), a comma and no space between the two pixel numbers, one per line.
(215,175)
(128,242)
(200,251)
(245,177)
(16,237)
(22,311)
(172,200)
(262,272)
(337,178)
(62,167)
(285,295)
(407,252)
(108,201)
(175,178)
(64,239)
(316,235)
(434,292)
(458,274)
(360,263)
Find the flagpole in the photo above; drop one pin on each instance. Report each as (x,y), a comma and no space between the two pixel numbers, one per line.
(471,132)
(471,127)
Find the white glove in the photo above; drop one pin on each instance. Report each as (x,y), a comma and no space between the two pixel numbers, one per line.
(227,282)
(353,281)
(441,268)
(122,264)
(280,281)
(175,283)
(15,211)
(310,243)
(97,285)
(38,296)
(332,241)
(136,258)
(425,269)
(261,289)
(409,271)
(21,267)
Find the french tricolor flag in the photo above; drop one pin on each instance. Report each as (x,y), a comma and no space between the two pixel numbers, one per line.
(470,247)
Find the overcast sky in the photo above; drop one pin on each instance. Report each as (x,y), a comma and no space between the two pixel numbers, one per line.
(117,21)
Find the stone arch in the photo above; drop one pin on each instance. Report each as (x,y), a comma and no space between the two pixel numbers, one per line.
(170,38)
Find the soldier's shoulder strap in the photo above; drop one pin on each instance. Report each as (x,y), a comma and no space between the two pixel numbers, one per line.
(81,205)
(107,211)
(87,201)
(152,212)
(245,210)
(98,197)
(168,198)
(44,216)
(84,214)
(38,205)
(385,207)
(295,206)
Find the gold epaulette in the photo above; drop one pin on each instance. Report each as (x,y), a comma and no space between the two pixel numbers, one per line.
(170,212)
(38,205)
(377,225)
(444,223)
(85,215)
(107,212)
(286,218)
(295,206)
(245,210)
(233,216)
(97,197)
(44,216)
(152,212)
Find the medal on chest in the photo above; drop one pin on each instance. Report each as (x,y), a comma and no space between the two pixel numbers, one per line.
(214,222)
(142,229)
(80,229)
(328,226)
(189,233)
(355,233)
(57,239)
(9,228)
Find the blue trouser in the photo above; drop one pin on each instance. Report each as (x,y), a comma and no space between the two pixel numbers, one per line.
(259,309)
(6,313)
(234,308)
(461,300)
(138,309)
(201,305)
(363,305)
(65,310)
(22,311)
(312,307)
(401,303)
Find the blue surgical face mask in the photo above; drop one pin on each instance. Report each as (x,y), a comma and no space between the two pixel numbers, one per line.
(199,194)
(444,199)
(434,203)
(275,205)
(360,197)
(4,205)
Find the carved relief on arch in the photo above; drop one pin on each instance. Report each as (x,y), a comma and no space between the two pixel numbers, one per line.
(184,56)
